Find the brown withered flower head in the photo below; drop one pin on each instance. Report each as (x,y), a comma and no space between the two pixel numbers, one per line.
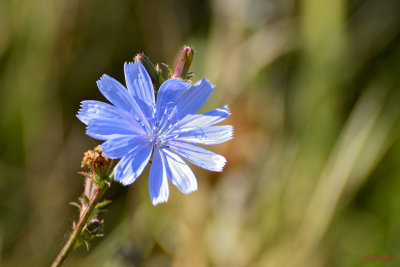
(97,161)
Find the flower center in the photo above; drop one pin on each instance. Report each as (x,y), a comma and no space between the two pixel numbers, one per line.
(158,133)
(159,140)
(155,139)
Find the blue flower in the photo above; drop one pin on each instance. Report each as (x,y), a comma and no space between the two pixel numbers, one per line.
(135,127)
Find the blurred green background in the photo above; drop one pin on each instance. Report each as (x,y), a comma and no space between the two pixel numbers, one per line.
(313,171)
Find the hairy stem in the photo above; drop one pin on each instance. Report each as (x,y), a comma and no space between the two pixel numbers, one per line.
(83,220)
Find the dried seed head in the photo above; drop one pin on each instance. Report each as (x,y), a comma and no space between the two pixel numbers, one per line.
(97,161)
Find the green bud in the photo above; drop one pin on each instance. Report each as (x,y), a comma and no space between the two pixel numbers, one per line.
(154,72)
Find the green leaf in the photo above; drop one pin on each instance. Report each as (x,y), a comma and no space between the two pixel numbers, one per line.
(103,204)
(75,204)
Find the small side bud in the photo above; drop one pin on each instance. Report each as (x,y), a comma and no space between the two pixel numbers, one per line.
(154,72)
(97,161)
(184,62)
(94,228)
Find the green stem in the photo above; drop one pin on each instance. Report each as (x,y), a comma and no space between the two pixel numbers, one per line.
(83,220)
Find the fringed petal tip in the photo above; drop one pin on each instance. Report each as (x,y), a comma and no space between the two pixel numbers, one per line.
(82,113)
(231,132)
(227,110)
(100,81)
(221,166)
(219,163)
(129,64)
(191,190)
(122,181)
(157,201)
(81,117)
(208,83)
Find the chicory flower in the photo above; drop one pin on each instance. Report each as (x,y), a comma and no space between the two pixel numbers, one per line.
(136,127)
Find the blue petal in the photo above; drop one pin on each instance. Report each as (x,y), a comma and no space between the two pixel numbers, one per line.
(210,135)
(168,94)
(107,128)
(140,87)
(132,165)
(91,109)
(199,156)
(193,99)
(205,119)
(158,181)
(179,172)
(118,147)
(119,97)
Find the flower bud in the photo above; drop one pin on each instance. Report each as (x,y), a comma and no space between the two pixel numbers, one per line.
(184,62)
(153,72)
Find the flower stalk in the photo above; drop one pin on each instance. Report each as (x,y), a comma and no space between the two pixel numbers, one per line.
(88,225)
(83,220)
